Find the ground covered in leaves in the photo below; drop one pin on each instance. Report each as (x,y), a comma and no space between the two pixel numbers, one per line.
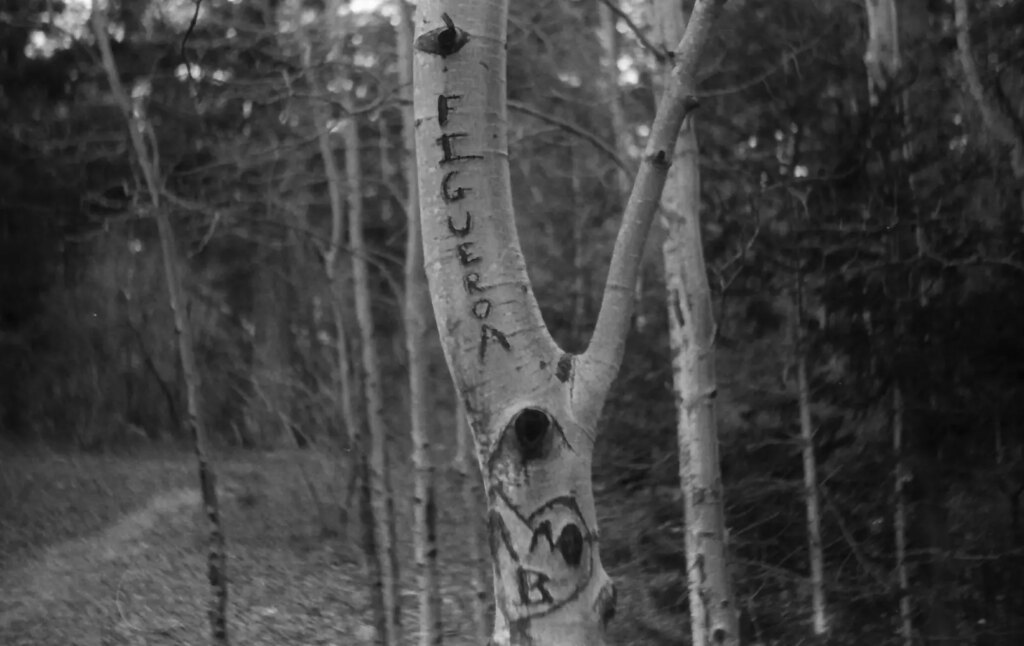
(110,550)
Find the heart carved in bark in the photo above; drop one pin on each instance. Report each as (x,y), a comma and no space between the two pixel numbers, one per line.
(550,552)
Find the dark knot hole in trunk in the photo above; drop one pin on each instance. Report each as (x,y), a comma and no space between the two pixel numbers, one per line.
(533,432)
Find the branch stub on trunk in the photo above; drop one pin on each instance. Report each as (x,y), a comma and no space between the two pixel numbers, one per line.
(443,41)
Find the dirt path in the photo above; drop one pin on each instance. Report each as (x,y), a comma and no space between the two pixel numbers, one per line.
(72,572)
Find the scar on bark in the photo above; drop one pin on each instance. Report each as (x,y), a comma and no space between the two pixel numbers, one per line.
(605,603)
(660,160)
(443,41)
(564,369)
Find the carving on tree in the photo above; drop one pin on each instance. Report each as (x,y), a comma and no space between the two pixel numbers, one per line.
(533,408)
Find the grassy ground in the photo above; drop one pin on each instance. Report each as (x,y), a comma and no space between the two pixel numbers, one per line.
(110,551)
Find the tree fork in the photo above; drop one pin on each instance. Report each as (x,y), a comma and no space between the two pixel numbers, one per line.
(533,408)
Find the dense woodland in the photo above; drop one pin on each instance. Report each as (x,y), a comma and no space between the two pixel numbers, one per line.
(863,229)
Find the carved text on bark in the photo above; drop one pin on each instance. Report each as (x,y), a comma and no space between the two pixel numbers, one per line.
(461,223)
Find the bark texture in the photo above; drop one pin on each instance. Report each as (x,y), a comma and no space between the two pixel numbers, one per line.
(417,301)
(533,407)
(148,163)
(714,617)
(470,503)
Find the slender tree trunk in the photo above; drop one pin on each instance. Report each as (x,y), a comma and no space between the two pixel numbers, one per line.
(620,139)
(148,163)
(713,610)
(471,510)
(417,301)
(372,388)
(361,532)
(819,616)
(900,519)
(533,407)
(999,118)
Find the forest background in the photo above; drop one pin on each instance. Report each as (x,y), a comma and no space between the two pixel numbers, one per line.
(897,218)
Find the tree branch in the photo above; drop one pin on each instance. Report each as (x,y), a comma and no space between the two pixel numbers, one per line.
(587,136)
(608,342)
(659,54)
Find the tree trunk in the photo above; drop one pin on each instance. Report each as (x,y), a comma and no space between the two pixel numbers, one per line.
(819,617)
(372,389)
(882,55)
(998,118)
(470,505)
(900,519)
(217,558)
(358,533)
(714,617)
(533,407)
(416,339)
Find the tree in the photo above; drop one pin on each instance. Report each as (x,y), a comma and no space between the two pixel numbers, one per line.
(533,407)
(373,396)
(416,337)
(714,617)
(140,133)
(996,114)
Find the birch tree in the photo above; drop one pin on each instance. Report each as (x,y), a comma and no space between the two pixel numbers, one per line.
(714,617)
(883,62)
(533,408)
(812,498)
(143,146)
(373,394)
(416,331)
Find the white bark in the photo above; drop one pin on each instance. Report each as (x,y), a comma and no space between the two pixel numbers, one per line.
(471,510)
(882,56)
(533,407)
(416,339)
(714,617)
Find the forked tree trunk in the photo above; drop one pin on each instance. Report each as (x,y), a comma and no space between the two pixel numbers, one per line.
(470,505)
(217,556)
(380,477)
(417,300)
(812,499)
(714,617)
(533,407)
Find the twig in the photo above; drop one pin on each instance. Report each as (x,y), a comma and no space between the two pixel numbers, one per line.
(576,130)
(659,54)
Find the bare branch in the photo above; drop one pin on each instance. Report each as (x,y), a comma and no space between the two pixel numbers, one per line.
(569,127)
(659,54)
(678,100)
